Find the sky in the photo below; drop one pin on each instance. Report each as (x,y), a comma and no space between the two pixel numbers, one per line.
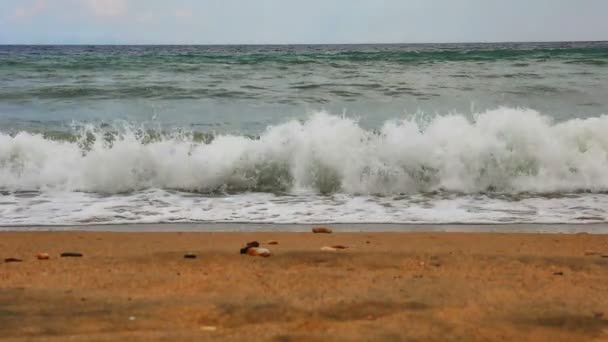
(299,21)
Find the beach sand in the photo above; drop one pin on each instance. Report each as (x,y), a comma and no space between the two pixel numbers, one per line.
(387,286)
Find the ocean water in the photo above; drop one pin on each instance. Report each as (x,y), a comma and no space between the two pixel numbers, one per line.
(432,133)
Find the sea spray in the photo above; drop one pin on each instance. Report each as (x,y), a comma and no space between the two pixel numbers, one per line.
(506,150)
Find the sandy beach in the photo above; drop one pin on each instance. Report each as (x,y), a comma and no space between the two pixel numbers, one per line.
(386,286)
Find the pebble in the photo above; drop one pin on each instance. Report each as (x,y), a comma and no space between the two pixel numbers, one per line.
(256,251)
(339,247)
(321,230)
(252,244)
(189,256)
(12,260)
(43,256)
(71,255)
(558,273)
(272,242)
(328,249)
(208,328)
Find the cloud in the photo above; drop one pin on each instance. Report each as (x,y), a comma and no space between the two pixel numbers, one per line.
(108,8)
(22,13)
(183,13)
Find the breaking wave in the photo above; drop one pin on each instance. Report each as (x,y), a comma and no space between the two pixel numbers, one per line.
(505,150)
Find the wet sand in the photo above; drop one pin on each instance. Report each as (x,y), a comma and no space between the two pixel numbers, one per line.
(387,286)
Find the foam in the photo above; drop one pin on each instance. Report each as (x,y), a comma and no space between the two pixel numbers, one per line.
(506,150)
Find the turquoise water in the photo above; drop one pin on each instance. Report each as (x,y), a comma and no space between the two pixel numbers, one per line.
(427,133)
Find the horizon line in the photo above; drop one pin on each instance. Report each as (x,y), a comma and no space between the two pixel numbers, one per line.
(300,44)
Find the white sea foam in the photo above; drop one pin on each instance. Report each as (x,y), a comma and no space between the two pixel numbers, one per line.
(504,150)
(161,206)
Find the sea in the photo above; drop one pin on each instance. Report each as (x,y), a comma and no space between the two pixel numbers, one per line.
(500,133)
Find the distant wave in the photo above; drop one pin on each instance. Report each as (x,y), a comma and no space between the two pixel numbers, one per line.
(192,59)
(504,150)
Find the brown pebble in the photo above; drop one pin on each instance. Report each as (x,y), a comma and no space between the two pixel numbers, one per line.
(558,273)
(273,242)
(189,256)
(340,247)
(252,244)
(12,260)
(321,230)
(43,256)
(71,255)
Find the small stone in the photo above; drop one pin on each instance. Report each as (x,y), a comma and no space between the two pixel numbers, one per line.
(248,249)
(132,318)
(189,256)
(71,255)
(328,249)
(558,273)
(272,242)
(208,328)
(604,255)
(256,251)
(43,256)
(340,247)
(321,230)
(12,260)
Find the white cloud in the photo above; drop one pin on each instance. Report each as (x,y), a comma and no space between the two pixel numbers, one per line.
(108,8)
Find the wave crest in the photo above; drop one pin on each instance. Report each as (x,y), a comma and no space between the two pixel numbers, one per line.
(502,150)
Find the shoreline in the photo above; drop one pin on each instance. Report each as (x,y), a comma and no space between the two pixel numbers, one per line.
(386,286)
(506,228)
